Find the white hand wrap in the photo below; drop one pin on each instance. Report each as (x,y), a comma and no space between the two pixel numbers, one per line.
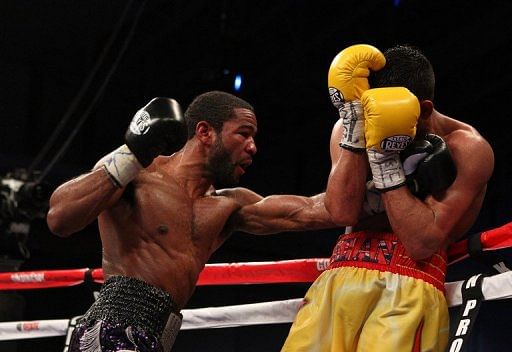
(352,116)
(387,169)
(121,165)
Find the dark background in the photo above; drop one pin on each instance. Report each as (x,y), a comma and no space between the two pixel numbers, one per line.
(84,67)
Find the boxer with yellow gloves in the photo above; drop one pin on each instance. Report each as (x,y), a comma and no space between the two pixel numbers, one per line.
(384,288)
(391,116)
(347,81)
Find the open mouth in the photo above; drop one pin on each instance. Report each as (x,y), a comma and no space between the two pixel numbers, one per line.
(242,166)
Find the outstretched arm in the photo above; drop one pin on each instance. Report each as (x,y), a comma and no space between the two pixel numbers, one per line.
(279,213)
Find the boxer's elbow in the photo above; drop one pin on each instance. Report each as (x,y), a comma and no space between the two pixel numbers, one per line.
(422,249)
(418,254)
(57,223)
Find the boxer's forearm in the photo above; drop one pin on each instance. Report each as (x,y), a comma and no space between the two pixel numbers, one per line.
(280,213)
(78,202)
(414,222)
(346,187)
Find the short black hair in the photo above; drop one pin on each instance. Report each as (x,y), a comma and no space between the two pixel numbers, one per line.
(406,66)
(214,107)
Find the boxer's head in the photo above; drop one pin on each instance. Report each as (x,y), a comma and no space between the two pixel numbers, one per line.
(226,125)
(407,67)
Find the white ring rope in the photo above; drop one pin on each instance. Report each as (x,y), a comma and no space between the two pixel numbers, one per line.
(303,270)
(276,312)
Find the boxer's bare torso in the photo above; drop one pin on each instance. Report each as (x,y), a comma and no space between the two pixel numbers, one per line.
(162,235)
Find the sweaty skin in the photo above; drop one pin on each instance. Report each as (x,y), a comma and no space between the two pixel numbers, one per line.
(423,227)
(135,246)
(165,225)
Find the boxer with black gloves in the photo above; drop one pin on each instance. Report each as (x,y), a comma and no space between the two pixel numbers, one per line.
(160,216)
(384,288)
(156,129)
(128,308)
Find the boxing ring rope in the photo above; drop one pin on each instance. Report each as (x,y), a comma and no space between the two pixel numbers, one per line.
(494,287)
(288,271)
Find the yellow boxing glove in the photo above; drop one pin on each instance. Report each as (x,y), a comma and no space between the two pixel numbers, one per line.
(347,80)
(391,116)
(349,71)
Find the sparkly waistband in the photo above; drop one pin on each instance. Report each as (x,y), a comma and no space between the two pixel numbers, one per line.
(132,302)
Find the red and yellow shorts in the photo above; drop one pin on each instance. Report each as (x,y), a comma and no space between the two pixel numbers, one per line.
(373,297)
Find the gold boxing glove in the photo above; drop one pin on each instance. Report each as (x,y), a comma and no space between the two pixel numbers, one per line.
(347,80)
(391,116)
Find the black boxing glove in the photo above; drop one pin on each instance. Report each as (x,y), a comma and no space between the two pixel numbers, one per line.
(428,166)
(156,129)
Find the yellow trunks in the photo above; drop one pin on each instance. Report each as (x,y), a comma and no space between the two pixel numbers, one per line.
(353,307)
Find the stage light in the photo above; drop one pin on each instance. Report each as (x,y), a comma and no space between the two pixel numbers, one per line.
(237,84)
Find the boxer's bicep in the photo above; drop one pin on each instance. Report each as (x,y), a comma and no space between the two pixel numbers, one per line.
(242,196)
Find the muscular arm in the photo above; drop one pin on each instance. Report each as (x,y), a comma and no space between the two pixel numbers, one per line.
(279,213)
(78,202)
(424,227)
(346,184)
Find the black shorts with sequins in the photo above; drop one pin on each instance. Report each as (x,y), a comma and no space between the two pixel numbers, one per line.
(129,314)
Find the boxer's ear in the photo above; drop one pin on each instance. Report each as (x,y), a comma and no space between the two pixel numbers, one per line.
(205,132)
